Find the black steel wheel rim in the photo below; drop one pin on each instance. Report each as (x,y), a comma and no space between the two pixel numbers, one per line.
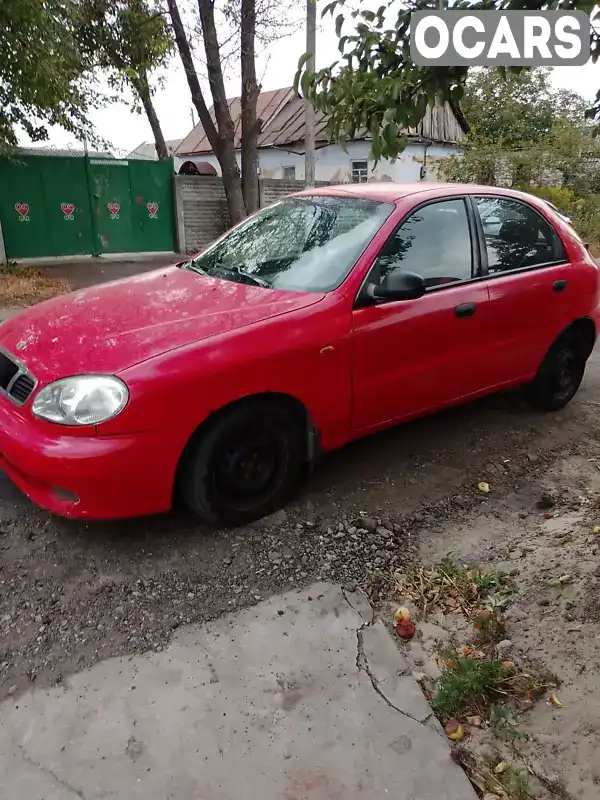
(566,372)
(248,466)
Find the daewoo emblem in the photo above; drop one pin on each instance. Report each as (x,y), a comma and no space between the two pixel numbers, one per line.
(21,345)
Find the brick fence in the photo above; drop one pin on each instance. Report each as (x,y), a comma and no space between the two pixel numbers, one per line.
(201,207)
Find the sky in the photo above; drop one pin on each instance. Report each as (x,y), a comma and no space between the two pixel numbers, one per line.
(276,67)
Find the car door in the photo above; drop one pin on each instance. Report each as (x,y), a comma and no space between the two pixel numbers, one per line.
(530,285)
(412,356)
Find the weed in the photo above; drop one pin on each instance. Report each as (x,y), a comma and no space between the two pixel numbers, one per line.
(450,586)
(525,687)
(509,783)
(515,784)
(504,726)
(489,625)
(471,685)
(9,268)
(467,685)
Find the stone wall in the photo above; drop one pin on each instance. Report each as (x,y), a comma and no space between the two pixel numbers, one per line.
(201,207)
(272,189)
(201,211)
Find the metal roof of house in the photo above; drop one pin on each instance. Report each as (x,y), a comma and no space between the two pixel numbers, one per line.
(267,107)
(147,150)
(282,115)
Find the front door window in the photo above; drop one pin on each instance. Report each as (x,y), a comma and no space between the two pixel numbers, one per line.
(433,242)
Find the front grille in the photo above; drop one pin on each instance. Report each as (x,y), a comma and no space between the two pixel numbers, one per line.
(21,388)
(15,381)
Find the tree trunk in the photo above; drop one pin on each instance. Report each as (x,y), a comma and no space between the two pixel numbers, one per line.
(223,147)
(142,88)
(226,132)
(250,91)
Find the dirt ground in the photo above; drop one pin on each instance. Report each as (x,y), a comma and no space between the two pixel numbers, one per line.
(553,625)
(25,285)
(72,593)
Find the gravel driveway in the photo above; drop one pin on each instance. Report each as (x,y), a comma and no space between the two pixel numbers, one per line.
(72,593)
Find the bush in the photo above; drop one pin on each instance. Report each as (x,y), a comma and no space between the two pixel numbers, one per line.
(583,211)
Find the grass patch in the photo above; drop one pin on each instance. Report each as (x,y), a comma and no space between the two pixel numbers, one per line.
(474,685)
(467,686)
(21,286)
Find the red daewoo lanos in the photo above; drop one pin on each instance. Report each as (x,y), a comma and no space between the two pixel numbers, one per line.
(329,315)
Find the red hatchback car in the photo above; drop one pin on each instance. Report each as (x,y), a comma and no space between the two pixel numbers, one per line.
(327,316)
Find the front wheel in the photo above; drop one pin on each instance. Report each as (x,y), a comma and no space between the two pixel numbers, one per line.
(244,466)
(560,374)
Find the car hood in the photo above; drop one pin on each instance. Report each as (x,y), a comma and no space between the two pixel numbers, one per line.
(110,327)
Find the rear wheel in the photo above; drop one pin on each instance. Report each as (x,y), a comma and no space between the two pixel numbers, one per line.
(560,374)
(245,465)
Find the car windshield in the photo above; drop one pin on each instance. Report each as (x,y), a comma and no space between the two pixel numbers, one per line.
(304,244)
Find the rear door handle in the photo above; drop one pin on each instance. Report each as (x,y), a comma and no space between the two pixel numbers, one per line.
(559,286)
(465,309)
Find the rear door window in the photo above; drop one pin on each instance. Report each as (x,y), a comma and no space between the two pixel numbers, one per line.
(516,236)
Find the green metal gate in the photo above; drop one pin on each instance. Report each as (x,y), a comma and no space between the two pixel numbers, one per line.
(111,206)
(152,207)
(57,206)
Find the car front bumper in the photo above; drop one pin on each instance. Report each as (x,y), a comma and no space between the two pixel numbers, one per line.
(92,477)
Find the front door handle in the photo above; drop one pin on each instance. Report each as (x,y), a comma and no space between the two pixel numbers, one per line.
(465,309)
(559,286)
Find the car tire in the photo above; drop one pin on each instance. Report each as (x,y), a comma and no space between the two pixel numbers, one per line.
(243,465)
(560,373)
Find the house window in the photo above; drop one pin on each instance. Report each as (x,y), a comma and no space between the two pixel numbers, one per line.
(360,171)
(289,173)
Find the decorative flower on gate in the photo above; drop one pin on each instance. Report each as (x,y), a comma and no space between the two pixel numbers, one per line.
(152,210)
(22,210)
(68,209)
(113,209)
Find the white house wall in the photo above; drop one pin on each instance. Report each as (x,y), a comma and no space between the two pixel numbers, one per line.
(334,165)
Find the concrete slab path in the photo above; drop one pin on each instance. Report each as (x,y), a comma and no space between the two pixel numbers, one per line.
(303,697)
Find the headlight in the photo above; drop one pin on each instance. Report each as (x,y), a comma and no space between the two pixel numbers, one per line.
(81,400)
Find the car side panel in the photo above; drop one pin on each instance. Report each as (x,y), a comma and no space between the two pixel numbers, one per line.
(302,354)
(527,314)
(415,356)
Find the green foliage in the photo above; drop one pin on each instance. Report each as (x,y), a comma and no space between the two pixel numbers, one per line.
(528,136)
(521,108)
(467,685)
(127,38)
(584,211)
(43,77)
(375,81)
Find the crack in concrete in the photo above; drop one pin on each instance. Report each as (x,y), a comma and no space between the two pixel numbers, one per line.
(47,771)
(362,665)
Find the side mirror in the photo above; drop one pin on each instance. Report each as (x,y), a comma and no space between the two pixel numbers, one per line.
(400,285)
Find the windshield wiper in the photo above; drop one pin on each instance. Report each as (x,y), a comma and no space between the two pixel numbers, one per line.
(252,278)
(192,266)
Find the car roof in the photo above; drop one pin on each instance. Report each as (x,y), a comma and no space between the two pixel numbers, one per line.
(390,192)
